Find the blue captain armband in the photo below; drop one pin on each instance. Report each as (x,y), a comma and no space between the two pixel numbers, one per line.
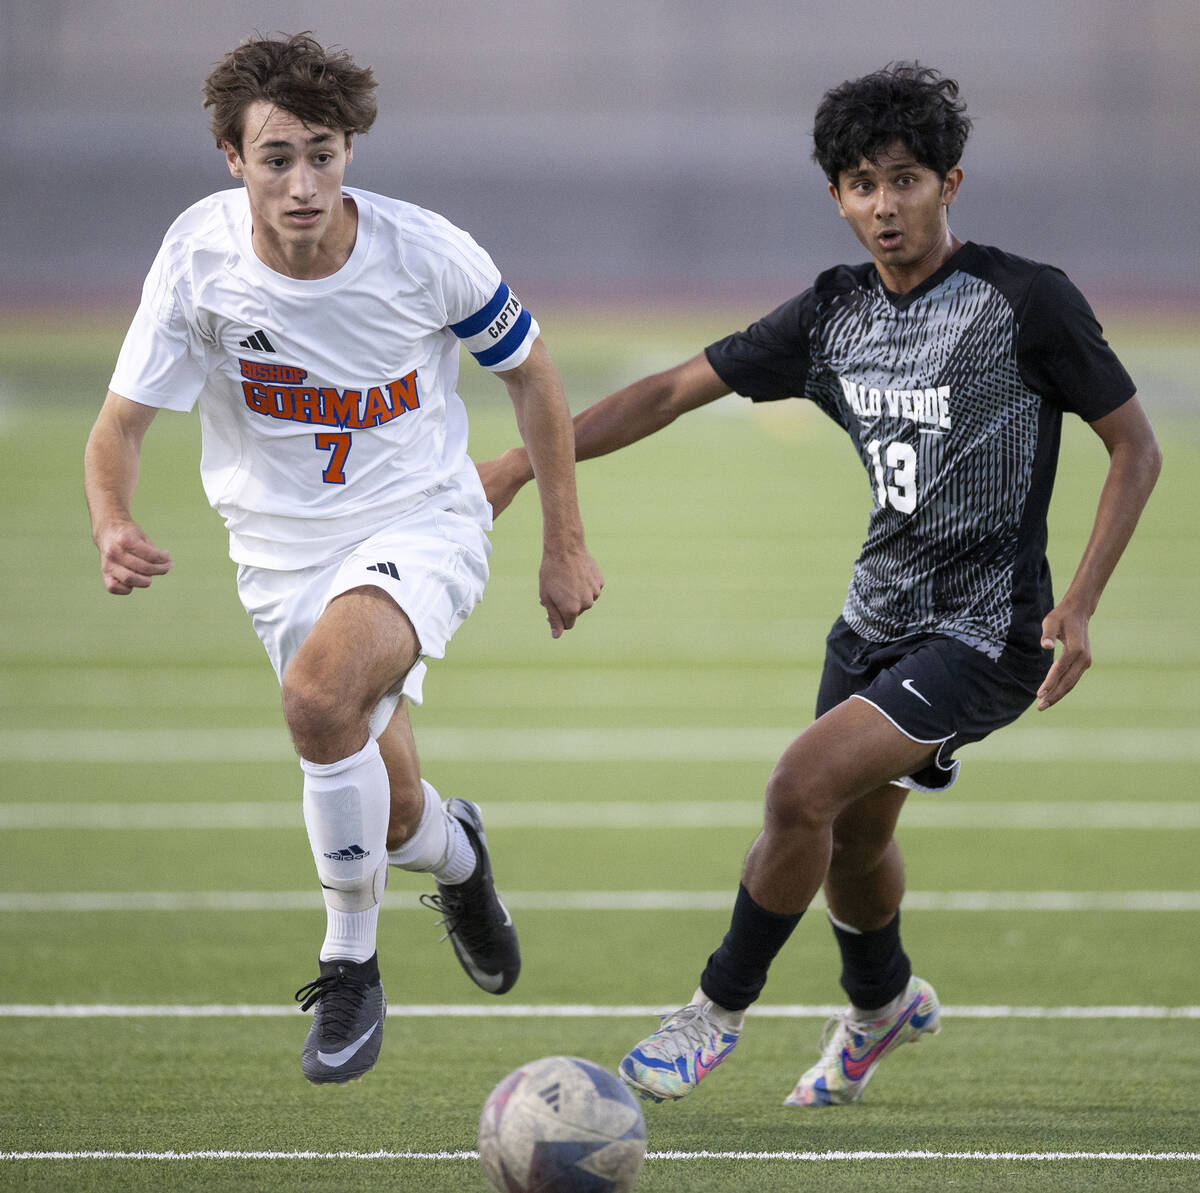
(498,332)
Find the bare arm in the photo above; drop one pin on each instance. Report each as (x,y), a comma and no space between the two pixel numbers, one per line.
(1133,467)
(128,559)
(569,580)
(616,421)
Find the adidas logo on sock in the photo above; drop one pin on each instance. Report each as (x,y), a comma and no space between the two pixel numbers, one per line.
(258,341)
(352,853)
(388,569)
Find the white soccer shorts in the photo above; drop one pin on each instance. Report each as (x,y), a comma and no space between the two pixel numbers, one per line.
(433,562)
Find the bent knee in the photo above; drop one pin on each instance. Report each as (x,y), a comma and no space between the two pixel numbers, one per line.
(317,713)
(795,801)
(858,853)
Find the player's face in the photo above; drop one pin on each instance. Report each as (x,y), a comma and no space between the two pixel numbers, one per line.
(293,173)
(898,210)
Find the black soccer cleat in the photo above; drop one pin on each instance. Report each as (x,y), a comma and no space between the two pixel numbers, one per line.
(477,923)
(347,1028)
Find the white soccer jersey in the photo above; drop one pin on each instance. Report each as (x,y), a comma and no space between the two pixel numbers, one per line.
(327,407)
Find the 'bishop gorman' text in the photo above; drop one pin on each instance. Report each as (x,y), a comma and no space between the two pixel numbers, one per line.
(276,391)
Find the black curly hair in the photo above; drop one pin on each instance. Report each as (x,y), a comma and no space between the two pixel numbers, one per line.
(904,102)
(297,74)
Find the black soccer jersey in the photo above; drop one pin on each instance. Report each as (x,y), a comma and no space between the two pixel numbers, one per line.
(953,396)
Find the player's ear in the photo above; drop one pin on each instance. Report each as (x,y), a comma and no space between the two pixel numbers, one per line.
(950,185)
(349,148)
(837,198)
(232,158)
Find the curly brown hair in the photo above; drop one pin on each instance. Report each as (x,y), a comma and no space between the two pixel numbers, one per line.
(297,74)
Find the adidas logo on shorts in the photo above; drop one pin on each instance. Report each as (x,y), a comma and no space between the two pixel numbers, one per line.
(388,569)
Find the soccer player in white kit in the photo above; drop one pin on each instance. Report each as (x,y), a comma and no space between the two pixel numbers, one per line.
(317,329)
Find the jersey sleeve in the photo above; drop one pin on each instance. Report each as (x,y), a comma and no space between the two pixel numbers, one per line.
(488,319)
(500,333)
(1062,353)
(162,359)
(771,359)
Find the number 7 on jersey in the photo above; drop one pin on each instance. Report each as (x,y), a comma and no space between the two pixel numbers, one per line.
(338,447)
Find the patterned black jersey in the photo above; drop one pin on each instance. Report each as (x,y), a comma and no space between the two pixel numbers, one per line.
(953,396)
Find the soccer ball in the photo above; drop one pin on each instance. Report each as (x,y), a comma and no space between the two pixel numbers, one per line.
(561,1125)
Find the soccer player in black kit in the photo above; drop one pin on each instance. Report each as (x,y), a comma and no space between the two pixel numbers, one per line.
(949,365)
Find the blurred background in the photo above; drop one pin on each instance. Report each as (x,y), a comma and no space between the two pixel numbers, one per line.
(655,150)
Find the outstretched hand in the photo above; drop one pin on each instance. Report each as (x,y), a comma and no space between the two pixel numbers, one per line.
(1070,627)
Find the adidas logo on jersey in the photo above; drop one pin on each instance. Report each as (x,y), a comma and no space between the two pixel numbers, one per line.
(353,853)
(388,569)
(258,341)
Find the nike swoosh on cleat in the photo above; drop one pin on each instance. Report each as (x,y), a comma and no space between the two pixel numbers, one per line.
(857,1069)
(335,1060)
(490,982)
(703,1067)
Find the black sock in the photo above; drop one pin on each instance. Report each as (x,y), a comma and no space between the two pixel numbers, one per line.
(737,971)
(875,967)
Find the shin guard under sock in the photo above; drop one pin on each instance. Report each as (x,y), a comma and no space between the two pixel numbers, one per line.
(346,809)
(737,971)
(875,967)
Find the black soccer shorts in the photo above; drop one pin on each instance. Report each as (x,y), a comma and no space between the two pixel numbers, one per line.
(932,688)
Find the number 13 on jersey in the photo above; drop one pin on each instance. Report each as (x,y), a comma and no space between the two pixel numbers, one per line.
(895,475)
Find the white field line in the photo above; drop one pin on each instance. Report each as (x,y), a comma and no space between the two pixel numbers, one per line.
(815,1157)
(574,900)
(573,745)
(922,812)
(564,1011)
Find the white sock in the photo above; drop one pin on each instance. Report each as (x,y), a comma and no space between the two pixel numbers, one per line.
(439,846)
(859,1015)
(349,934)
(732,1020)
(346,809)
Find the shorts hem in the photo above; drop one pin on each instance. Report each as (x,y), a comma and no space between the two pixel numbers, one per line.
(951,773)
(923,741)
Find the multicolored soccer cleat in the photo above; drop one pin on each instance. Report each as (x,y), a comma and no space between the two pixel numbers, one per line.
(851,1051)
(687,1047)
